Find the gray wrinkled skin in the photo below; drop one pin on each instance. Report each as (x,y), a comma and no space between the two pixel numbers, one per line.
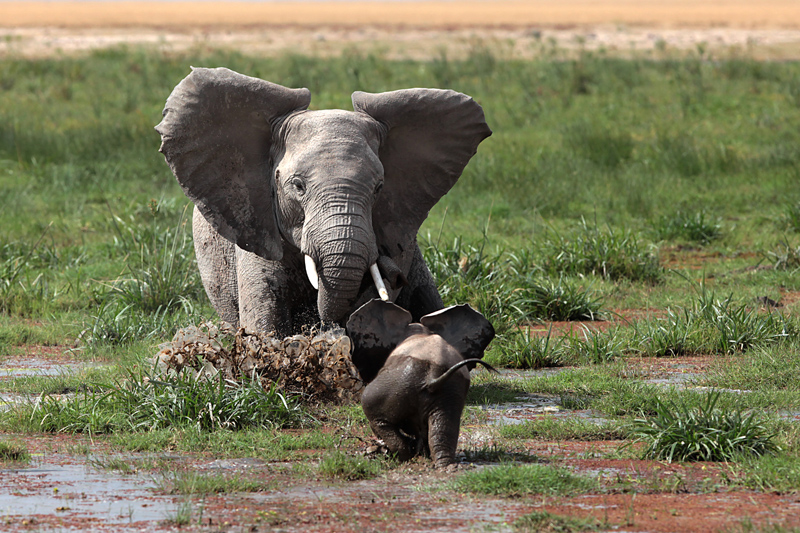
(410,400)
(273,181)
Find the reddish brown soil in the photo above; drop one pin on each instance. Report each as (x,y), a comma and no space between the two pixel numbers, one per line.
(639,496)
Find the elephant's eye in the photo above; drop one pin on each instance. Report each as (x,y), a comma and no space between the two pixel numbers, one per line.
(299,186)
(378,187)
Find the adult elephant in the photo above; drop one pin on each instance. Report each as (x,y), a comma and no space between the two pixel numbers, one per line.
(293,207)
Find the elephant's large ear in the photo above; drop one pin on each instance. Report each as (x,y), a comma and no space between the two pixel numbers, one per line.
(462,327)
(431,134)
(216,136)
(375,329)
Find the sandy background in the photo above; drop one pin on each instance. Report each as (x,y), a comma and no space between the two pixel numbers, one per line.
(768,29)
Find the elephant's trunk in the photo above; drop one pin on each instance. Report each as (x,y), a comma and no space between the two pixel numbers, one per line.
(342,248)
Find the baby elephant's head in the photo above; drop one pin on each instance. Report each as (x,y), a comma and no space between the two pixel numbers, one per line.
(377,328)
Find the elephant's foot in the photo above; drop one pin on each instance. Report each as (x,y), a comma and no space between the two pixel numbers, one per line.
(402,446)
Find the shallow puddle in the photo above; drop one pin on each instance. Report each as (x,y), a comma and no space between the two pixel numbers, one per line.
(33,366)
(56,484)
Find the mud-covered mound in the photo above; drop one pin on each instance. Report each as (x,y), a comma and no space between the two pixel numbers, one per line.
(315,365)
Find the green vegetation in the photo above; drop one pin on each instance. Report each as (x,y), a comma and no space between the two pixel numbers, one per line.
(691,227)
(560,429)
(659,192)
(185,482)
(514,480)
(339,465)
(678,432)
(143,404)
(12,451)
(544,522)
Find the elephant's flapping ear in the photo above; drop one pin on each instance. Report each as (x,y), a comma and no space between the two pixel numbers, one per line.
(375,329)
(431,134)
(462,327)
(216,135)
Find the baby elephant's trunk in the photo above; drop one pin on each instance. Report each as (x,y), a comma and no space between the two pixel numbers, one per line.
(434,385)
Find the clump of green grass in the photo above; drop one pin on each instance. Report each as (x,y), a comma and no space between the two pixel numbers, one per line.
(514,480)
(671,336)
(544,522)
(471,274)
(496,454)
(611,254)
(603,145)
(160,264)
(678,432)
(786,256)
(764,368)
(187,482)
(13,452)
(791,217)
(768,473)
(118,323)
(738,327)
(339,465)
(697,227)
(561,300)
(711,325)
(525,350)
(559,429)
(143,404)
(596,347)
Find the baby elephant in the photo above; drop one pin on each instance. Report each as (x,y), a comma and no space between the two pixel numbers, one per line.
(415,373)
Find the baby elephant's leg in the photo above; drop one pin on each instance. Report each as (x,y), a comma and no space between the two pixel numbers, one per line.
(403,446)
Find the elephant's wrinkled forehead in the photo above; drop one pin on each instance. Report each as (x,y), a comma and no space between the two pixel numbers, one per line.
(331,129)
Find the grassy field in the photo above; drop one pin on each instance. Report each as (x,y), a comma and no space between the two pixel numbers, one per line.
(659,193)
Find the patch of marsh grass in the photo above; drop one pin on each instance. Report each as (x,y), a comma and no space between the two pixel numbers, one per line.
(770,473)
(512,480)
(118,323)
(13,452)
(143,404)
(602,144)
(711,325)
(341,466)
(608,253)
(497,454)
(763,368)
(161,266)
(471,274)
(523,349)
(786,256)
(544,522)
(699,227)
(192,482)
(559,429)
(791,217)
(557,300)
(704,432)
(746,525)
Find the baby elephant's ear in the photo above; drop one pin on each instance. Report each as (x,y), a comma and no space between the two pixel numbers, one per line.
(462,327)
(375,329)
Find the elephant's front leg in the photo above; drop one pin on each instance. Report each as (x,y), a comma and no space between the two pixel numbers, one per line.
(444,424)
(421,296)
(270,297)
(401,445)
(216,261)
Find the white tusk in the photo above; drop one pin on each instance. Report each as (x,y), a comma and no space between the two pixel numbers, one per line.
(376,277)
(311,272)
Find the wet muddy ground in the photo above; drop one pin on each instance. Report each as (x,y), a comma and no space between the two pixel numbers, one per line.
(78,483)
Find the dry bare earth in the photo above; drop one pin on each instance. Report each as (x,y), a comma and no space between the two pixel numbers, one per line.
(770,30)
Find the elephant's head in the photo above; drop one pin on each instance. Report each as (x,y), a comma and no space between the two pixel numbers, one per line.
(341,187)
(377,328)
